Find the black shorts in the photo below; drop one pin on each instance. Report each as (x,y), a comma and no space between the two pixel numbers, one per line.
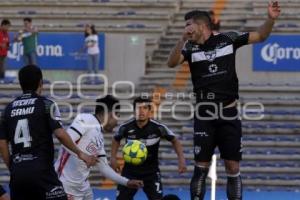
(152,186)
(224,132)
(2,191)
(36,184)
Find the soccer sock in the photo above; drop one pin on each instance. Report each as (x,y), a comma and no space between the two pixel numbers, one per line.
(234,187)
(198,183)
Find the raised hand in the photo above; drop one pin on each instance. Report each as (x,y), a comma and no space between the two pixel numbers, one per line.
(273,10)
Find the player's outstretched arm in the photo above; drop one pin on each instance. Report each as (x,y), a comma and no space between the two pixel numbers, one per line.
(109,173)
(66,140)
(4,151)
(264,31)
(179,151)
(113,157)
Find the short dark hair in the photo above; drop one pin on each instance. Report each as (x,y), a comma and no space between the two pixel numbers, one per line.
(198,15)
(27,19)
(30,77)
(109,101)
(171,197)
(5,22)
(142,100)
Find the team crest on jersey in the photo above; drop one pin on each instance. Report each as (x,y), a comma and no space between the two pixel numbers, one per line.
(195,48)
(197,150)
(94,146)
(210,55)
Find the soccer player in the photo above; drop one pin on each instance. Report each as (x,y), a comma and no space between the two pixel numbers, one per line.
(149,132)
(87,131)
(211,59)
(27,124)
(3,195)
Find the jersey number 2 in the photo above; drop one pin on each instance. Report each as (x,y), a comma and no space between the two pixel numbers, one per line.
(22,134)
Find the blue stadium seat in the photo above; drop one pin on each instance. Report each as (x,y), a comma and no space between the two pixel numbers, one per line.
(27,12)
(287,25)
(129,12)
(136,26)
(101,1)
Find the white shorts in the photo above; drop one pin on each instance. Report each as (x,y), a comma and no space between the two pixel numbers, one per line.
(82,195)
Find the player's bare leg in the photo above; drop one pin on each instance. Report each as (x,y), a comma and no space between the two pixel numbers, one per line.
(234,181)
(198,182)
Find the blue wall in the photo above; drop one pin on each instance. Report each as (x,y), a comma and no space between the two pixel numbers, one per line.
(277,53)
(57,51)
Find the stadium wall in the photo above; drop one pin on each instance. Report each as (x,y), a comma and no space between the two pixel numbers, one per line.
(275,61)
(124,56)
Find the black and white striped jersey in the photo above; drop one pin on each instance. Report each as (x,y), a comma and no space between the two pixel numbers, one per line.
(150,135)
(212,66)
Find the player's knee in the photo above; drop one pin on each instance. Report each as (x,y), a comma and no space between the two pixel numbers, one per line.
(203,164)
(232,167)
(200,171)
(232,170)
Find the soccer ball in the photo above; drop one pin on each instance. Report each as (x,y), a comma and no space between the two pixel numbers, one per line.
(135,152)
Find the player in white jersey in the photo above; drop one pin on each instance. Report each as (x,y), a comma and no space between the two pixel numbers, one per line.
(87,132)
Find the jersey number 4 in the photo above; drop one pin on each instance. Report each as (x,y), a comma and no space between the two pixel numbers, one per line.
(22,134)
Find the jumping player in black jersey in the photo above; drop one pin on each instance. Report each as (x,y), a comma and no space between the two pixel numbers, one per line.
(211,59)
(27,125)
(149,132)
(3,195)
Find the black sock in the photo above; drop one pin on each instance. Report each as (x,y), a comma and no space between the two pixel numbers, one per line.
(234,187)
(198,183)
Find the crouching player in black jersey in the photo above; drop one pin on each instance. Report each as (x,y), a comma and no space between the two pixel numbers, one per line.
(149,132)
(211,59)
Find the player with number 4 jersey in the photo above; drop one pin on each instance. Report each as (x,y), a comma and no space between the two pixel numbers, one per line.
(27,125)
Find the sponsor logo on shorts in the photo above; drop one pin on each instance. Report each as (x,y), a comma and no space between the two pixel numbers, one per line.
(197,149)
(202,134)
(25,157)
(56,192)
